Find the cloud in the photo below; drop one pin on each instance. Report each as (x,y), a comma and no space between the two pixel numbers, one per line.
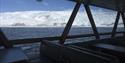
(55,18)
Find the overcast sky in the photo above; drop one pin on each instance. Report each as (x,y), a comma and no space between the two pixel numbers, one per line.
(33,5)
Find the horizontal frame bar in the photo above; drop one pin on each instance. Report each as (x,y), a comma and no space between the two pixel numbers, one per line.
(37,40)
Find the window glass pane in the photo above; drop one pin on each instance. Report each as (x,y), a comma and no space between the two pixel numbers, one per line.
(105,19)
(31,19)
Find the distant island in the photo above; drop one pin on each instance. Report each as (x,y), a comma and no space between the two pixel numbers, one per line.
(18,24)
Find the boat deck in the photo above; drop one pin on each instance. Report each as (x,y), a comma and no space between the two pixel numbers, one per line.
(42,59)
(32,51)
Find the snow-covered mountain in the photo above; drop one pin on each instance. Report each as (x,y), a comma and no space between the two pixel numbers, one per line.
(54,18)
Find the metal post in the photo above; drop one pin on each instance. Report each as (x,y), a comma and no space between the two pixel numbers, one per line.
(69,24)
(91,21)
(123,18)
(4,40)
(115,25)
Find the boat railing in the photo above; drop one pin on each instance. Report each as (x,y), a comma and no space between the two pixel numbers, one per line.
(36,40)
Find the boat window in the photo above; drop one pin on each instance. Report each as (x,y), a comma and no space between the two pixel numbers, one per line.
(21,19)
(31,19)
(81,24)
(105,19)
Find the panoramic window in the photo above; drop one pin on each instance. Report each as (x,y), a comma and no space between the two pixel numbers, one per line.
(44,18)
(62,31)
(33,18)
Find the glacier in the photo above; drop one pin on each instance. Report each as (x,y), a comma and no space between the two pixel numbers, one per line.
(55,19)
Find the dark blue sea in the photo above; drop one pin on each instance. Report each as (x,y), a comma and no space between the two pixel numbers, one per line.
(37,32)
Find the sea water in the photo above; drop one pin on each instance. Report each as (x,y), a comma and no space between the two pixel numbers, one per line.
(39,32)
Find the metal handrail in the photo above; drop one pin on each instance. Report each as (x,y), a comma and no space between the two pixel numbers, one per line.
(35,40)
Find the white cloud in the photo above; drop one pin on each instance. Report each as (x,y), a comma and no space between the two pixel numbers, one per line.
(54,18)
